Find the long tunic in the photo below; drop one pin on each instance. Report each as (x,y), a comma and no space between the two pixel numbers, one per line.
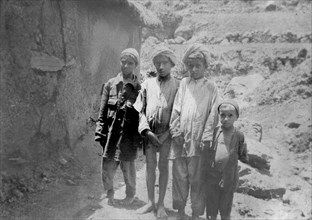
(154,103)
(121,144)
(194,115)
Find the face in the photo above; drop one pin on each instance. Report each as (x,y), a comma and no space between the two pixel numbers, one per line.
(196,67)
(163,65)
(127,65)
(227,115)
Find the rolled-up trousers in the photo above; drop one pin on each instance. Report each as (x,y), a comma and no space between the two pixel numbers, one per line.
(109,168)
(188,175)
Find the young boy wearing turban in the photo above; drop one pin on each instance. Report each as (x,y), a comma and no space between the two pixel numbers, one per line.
(227,148)
(154,103)
(116,126)
(193,119)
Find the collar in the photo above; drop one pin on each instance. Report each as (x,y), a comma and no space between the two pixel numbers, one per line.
(163,79)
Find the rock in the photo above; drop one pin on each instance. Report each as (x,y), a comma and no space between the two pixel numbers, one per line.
(17,193)
(184,31)
(45,62)
(245,40)
(241,86)
(260,186)
(292,125)
(250,128)
(270,6)
(179,40)
(225,42)
(171,41)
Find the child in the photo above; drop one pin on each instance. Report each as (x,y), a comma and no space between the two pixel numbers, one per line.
(154,103)
(194,117)
(116,125)
(227,148)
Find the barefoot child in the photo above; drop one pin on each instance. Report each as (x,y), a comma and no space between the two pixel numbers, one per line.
(154,103)
(194,117)
(227,148)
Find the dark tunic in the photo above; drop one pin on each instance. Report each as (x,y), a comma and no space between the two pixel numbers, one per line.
(118,121)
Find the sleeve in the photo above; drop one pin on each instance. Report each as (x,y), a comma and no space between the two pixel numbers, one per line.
(140,106)
(213,118)
(104,100)
(100,129)
(176,113)
(242,149)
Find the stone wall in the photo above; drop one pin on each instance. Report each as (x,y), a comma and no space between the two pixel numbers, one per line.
(55,55)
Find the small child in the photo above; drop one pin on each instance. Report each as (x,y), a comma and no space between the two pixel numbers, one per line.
(227,148)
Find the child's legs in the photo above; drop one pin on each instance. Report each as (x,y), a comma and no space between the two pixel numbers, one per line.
(196,179)
(212,200)
(151,163)
(225,204)
(163,170)
(109,168)
(129,173)
(180,184)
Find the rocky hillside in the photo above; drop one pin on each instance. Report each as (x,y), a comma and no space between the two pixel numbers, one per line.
(261,54)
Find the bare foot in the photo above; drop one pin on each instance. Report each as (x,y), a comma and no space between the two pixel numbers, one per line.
(147,208)
(161,212)
(127,201)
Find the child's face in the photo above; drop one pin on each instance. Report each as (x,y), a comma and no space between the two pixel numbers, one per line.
(127,65)
(227,115)
(196,67)
(163,65)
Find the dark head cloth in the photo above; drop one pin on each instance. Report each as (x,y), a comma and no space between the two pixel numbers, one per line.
(230,102)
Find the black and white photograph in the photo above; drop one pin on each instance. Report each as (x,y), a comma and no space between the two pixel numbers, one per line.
(155,109)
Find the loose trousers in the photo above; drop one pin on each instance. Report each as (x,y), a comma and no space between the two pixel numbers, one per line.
(109,168)
(188,173)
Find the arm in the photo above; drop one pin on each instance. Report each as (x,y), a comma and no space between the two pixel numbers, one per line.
(176,114)
(100,131)
(212,120)
(140,106)
(144,128)
(242,149)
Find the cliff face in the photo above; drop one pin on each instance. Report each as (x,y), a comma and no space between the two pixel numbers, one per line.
(55,55)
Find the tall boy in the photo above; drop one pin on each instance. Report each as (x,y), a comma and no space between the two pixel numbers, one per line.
(227,148)
(193,119)
(154,103)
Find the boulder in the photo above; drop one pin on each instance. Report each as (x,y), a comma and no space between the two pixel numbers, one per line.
(270,6)
(252,129)
(241,86)
(179,40)
(260,186)
(184,31)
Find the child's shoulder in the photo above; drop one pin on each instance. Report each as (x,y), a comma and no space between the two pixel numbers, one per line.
(239,133)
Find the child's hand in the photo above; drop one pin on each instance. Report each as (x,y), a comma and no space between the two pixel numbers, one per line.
(153,138)
(179,140)
(205,145)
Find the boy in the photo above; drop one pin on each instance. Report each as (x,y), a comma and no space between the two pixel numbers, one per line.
(227,148)
(116,123)
(193,119)
(155,105)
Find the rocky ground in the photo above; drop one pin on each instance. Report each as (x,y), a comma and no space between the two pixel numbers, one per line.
(261,56)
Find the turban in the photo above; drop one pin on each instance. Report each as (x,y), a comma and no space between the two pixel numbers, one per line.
(131,52)
(230,102)
(165,51)
(197,51)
